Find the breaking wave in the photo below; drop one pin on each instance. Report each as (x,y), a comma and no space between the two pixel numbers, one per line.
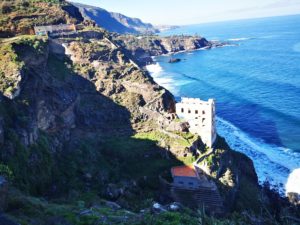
(277,165)
(154,69)
(238,39)
(293,182)
(166,80)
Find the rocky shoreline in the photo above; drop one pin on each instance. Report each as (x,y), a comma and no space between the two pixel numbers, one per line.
(143,48)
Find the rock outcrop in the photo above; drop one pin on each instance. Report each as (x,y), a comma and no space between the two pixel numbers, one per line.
(19,17)
(144,47)
(233,173)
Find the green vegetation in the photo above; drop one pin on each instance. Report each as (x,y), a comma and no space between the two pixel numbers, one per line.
(6,172)
(182,140)
(10,69)
(136,157)
(73,167)
(11,64)
(19,16)
(31,41)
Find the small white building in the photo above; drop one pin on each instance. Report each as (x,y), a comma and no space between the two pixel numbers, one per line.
(201,117)
(52,30)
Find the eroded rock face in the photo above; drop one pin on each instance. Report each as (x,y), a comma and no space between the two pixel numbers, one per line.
(93,93)
(120,79)
(234,172)
(13,81)
(294,198)
(142,48)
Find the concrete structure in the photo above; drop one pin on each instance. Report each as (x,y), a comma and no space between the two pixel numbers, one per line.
(53,30)
(192,188)
(201,117)
(190,177)
(185,177)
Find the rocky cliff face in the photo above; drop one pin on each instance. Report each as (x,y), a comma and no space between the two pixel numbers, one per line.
(77,116)
(115,22)
(75,89)
(234,174)
(143,47)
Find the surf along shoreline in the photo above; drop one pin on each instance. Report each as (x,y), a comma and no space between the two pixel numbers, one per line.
(285,182)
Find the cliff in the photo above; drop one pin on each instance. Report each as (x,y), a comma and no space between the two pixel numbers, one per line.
(85,133)
(115,22)
(142,48)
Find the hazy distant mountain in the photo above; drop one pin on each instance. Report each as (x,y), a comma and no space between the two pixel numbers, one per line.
(115,22)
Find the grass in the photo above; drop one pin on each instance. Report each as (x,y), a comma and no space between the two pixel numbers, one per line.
(10,69)
(18,17)
(184,139)
(11,65)
(137,156)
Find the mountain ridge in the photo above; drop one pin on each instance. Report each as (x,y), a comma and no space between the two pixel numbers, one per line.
(115,22)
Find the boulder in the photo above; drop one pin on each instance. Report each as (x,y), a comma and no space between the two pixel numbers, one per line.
(113,192)
(174,60)
(175,206)
(294,198)
(158,208)
(178,126)
(112,205)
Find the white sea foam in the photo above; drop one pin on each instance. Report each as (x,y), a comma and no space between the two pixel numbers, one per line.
(238,39)
(167,80)
(277,165)
(272,163)
(154,69)
(293,183)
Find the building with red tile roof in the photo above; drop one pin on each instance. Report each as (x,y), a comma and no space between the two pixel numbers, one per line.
(183,171)
(185,177)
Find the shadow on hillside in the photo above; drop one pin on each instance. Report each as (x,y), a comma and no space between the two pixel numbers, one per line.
(86,142)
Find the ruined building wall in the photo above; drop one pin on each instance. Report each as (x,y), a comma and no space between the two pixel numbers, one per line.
(201,117)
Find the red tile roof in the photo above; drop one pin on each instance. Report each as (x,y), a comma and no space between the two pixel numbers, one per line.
(183,171)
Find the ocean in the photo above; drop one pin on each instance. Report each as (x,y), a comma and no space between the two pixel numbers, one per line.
(256,85)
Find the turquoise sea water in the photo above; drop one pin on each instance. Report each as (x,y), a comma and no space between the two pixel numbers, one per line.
(256,85)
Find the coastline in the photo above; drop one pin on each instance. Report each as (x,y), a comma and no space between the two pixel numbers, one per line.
(264,156)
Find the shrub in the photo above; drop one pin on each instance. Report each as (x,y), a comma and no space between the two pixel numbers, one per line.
(6,8)
(6,171)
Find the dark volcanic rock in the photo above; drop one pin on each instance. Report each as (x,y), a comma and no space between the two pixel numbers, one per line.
(144,47)
(176,60)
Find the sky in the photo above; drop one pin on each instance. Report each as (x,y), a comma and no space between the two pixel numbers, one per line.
(182,12)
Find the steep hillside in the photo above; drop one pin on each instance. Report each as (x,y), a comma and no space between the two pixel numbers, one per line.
(19,17)
(115,22)
(85,134)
